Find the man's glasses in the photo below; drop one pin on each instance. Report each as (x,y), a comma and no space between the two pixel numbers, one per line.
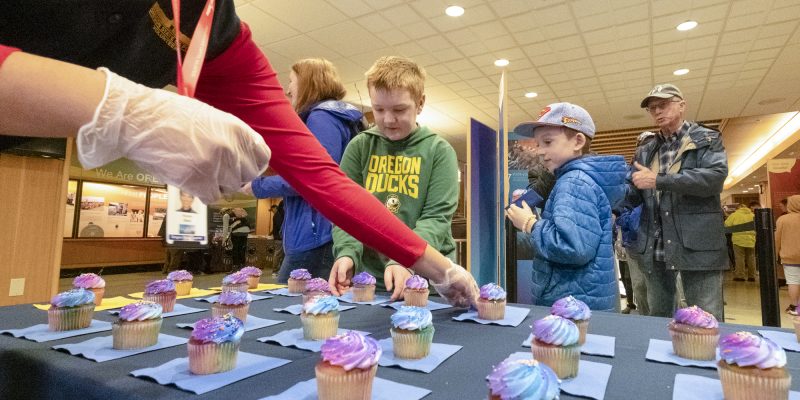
(652,109)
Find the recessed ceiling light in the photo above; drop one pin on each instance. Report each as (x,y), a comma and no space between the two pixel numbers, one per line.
(685,26)
(679,72)
(745,191)
(531,95)
(501,62)
(454,11)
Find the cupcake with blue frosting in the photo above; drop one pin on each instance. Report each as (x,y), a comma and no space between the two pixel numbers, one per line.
(364,287)
(491,302)
(523,380)
(138,326)
(71,310)
(320,317)
(555,343)
(214,344)
(575,311)
(412,332)
(236,303)
(316,287)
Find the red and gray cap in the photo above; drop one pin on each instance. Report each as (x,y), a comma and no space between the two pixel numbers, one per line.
(662,91)
(560,114)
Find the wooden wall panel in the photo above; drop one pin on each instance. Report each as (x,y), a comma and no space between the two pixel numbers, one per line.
(88,253)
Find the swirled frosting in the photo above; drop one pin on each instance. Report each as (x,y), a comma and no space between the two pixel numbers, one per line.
(321,305)
(234,298)
(89,281)
(237,277)
(218,329)
(364,278)
(73,298)
(416,282)
(180,275)
(491,291)
(251,271)
(571,308)
(318,285)
(695,316)
(556,330)
(159,286)
(746,349)
(140,311)
(351,350)
(412,318)
(300,274)
(523,380)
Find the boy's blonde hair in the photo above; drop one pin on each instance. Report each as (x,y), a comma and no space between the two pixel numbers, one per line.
(393,72)
(317,80)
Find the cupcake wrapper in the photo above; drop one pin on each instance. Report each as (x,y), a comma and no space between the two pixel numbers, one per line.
(363,293)
(417,298)
(563,360)
(167,300)
(491,310)
(297,285)
(738,385)
(412,345)
(321,326)
(694,346)
(334,383)
(235,287)
(238,310)
(583,327)
(183,288)
(98,295)
(252,281)
(70,318)
(212,358)
(135,334)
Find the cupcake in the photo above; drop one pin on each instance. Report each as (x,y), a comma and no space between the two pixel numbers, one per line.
(523,380)
(348,366)
(236,303)
(752,368)
(320,317)
(695,334)
(492,302)
(316,287)
(162,292)
(412,332)
(235,282)
(298,279)
(91,282)
(575,311)
(183,281)
(214,344)
(253,276)
(138,325)
(555,343)
(71,310)
(416,291)
(363,287)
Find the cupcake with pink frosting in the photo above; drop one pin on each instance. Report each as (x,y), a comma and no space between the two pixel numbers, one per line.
(298,279)
(163,292)
(138,326)
(416,291)
(364,287)
(555,343)
(575,311)
(695,334)
(253,276)
(523,380)
(91,282)
(348,366)
(71,310)
(214,344)
(235,282)
(752,368)
(183,281)
(492,302)
(316,287)
(236,303)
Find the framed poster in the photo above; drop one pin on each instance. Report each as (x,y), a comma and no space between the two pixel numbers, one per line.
(187,220)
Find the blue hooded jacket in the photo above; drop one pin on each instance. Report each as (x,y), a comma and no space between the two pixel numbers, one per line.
(304,228)
(573,251)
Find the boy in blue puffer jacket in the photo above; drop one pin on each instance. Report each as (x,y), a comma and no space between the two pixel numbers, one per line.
(573,248)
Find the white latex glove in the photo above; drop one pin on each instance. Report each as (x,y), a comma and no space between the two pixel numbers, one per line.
(458,287)
(182,141)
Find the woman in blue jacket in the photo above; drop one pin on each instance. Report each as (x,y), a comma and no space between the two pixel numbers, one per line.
(315,91)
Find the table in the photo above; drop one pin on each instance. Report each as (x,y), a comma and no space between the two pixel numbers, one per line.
(32,370)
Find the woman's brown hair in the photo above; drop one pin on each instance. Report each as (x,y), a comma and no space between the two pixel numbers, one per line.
(317,80)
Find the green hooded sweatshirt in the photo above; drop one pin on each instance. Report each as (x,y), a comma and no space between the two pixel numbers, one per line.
(416,178)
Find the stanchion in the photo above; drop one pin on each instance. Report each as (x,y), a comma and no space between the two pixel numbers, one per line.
(511,261)
(765,260)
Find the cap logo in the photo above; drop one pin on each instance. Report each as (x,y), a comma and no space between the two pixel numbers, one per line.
(544,111)
(570,120)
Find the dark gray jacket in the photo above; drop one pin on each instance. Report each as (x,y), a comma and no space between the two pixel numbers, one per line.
(690,210)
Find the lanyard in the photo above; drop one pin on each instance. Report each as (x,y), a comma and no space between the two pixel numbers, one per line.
(197,48)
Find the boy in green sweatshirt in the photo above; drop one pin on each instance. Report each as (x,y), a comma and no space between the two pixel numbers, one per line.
(408,168)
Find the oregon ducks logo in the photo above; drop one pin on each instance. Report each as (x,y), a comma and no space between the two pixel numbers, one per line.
(393,203)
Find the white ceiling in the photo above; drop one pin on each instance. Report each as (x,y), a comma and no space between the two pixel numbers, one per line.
(605,55)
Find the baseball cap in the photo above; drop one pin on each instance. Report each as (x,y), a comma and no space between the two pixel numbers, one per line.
(662,91)
(560,114)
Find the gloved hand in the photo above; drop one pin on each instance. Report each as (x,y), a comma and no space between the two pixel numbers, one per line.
(182,141)
(458,287)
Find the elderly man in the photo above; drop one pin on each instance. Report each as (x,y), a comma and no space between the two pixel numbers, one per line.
(677,178)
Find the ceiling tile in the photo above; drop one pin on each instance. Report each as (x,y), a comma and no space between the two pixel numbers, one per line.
(448,54)
(401,15)
(552,14)
(352,8)
(746,8)
(588,8)
(266,28)
(489,30)
(783,14)
(340,37)
(461,37)
(409,49)
(419,30)
(303,46)
(374,23)
(507,8)
(286,11)
(559,30)
(392,37)
(778,29)
(592,23)
(529,36)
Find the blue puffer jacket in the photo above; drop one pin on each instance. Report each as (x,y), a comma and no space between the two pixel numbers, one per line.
(572,244)
(303,227)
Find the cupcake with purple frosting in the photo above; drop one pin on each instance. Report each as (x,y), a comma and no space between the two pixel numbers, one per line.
(752,367)
(235,282)
(416,291)
(695,334)
(253,276)
(523,380)
(348,366)
(91,282)
(236,303)
(214,344)
(492,302)
(298,279)
(363,287)
(320,317)
(316,287)
(412,332)
(162,292)
(71,310)
(575,311)
(183,281)
(555,343)
(138,326)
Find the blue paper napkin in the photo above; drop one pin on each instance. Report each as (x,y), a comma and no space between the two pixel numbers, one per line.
(42,333)
(101,349)
(591,381)
(439,353)
(513,317)
(431,306)
(382,389)
(297,309)
(787,340)
(283,292)
(348,298)
(661,351)
(692,387)
(294,338)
